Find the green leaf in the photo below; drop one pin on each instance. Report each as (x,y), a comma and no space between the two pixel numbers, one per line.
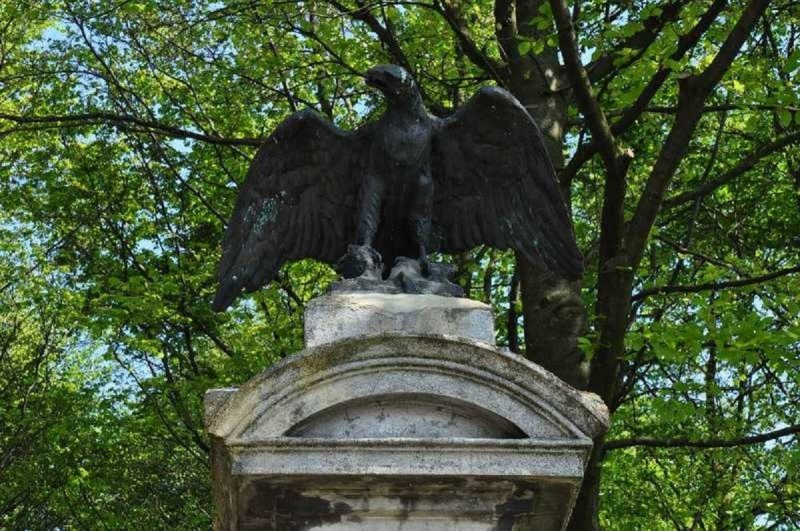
(784,117)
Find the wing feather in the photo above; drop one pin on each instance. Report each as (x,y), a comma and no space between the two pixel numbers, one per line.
(495,185)
(297,201)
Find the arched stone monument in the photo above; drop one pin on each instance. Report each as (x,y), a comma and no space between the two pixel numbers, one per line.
(400,414)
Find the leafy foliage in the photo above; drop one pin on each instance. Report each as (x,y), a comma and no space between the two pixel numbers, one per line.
(126,126)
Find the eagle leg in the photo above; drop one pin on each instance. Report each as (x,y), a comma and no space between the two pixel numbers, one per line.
(420,217)
(370,212)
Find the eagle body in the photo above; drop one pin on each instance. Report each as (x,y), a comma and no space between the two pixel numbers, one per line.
(397,193)
(405,185)
(406,140)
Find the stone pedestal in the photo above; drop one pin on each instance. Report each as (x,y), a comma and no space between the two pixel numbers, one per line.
(400,414)
(336,317)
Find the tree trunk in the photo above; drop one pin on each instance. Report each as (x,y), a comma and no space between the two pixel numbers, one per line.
(554,320)
(554,314)
(553,310)
(585,514)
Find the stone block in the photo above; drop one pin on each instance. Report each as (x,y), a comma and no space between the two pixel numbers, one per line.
(341,316)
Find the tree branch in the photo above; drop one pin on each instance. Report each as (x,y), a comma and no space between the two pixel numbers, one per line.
(671,109)
(631,114)
(506,32)
(98,118)
(745,165)
(693,91)
(683,249)
(613,291)
(596,120)
(710,443)
(715,286)
(685,43)
(512,328)
(456,22)
(668,109)
(364,14)
(640,40)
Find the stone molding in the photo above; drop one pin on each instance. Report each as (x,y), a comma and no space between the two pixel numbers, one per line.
(322,377)
(413,458)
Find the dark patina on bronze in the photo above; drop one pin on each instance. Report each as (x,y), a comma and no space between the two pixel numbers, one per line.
(405,185)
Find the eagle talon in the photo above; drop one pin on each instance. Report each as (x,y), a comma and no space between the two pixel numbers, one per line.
(360,261)
(424,266)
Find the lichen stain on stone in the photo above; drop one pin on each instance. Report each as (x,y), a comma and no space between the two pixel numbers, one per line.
(320,362)
(284,509)
(267,215)
(298,413)
(269,210)
(517,506)
(408,504)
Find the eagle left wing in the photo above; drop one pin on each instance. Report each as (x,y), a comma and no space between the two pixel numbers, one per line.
(495,185)
(297,201)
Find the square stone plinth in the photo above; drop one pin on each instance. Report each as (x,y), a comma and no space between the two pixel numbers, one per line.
(341,316)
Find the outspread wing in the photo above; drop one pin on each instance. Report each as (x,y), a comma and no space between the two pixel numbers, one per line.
(495,185)
(297,201)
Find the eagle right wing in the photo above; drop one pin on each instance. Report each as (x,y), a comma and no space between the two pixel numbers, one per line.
(298,200)
(495,185)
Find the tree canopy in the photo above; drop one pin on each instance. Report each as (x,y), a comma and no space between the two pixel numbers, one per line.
(127,125)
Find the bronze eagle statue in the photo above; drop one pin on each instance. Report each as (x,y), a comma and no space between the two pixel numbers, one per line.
(407,185)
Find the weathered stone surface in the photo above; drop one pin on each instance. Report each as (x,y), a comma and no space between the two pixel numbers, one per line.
(341,316)
(416,504)
(408,415)
(398,366)
(434,432)
(214,399)
(400,414)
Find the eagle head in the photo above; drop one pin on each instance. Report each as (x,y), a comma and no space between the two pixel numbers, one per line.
(393,81)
